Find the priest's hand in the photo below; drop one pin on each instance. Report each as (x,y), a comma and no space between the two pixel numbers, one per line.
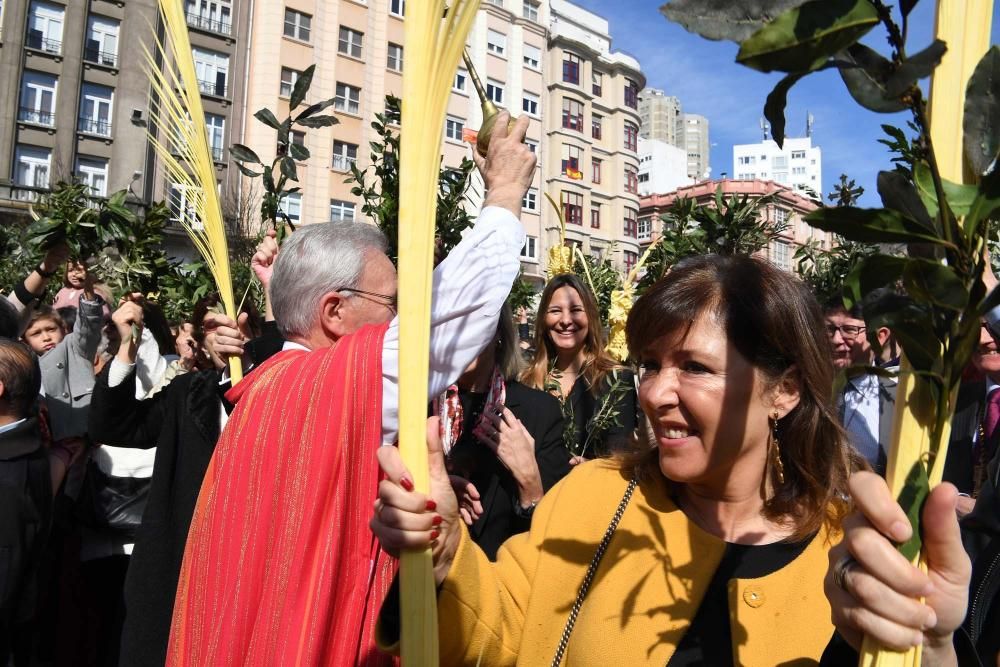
(874,590)
(407,519)
(262,262)
(509,165)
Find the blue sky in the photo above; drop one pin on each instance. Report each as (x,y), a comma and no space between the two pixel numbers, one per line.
(706,78)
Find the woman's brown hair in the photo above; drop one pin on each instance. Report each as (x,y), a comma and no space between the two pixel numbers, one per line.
(776,324)
(597,362)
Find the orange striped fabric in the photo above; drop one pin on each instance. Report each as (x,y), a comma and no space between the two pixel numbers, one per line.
(280,567)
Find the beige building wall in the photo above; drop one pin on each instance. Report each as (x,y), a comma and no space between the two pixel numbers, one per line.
(660,117)
(380,24)
(608,202)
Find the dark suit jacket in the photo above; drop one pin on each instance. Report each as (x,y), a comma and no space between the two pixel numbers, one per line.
(585,405)
(886,407)
(541,415)
(969,410)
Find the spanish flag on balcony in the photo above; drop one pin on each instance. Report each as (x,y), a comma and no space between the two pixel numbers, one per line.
(575,174)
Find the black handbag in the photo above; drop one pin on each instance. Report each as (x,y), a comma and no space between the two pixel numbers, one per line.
(112,504)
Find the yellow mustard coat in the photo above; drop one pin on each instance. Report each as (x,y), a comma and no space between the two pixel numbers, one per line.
(644,595)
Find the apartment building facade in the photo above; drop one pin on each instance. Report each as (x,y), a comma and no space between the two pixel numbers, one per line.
(660,116)
(797,163)
(75,96)
(591,163)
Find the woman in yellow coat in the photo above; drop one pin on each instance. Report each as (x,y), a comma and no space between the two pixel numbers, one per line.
(708,545)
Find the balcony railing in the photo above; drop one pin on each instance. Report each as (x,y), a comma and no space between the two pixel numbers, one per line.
(216,88)
(36,116)
(216,153)
(37,40)
(211,25)
(95,55)
(94,126)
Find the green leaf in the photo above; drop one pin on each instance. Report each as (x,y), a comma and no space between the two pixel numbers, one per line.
(288,169)
(283,131)
(915,68)
(866,80)
(268,118)
(803,39)
(981,122)
(247,172)
(873,225)
(935,283)
(985,203)
(898,193)
(301,87)
(316,108)
(870,274)
(960,197)
(725,19)
(774,107)
(298,152)
(911,499)
(906,6)
(318,121)
(243,154)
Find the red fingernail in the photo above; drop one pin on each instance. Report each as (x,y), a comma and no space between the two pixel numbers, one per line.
(436,521)
(406,483)
(431,505)
(434,534)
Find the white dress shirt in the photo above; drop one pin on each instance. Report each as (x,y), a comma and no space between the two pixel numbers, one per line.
(469,288)
(861,414)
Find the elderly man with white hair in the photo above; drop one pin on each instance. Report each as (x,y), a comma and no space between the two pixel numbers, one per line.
(280,567)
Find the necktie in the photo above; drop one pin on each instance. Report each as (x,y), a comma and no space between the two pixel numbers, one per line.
(992,418)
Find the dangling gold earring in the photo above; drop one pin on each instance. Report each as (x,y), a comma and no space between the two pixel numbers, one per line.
(779,467)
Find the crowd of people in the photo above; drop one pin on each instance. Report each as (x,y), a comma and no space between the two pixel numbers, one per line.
(715,501)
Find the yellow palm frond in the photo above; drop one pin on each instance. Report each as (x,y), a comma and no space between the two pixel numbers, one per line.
(181,143)
(433,47)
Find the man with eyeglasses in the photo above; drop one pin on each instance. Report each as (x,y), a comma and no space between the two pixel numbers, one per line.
(867,400)
(280,566)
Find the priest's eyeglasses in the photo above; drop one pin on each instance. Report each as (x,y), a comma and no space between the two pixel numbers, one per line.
(846,330)
(386,300)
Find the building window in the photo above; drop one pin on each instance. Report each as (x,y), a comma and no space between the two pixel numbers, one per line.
(780,255)
(496,42)
(571,161)
(341,211)
(461,76)
(350,42)
(212,70)
(38,98)
(571,68)
(631,94)
(798,155)
(181,202)
(781,176)
(45,27)
(780,216)
(529,103)
(631,221)
(102,41)
(216,126)
(595,217)
(348,98)
(630,260)
(93,172)
(532,56)
(595,126)
(631,180)
(530,202)
(397,8)
(496,3)
(288,79)
(572,206)
(494,91)
(799,171)
(532,145)
(297,25)
(296,137)
(31,166)
(291,205)
(95,109)
(596,83)
(779,162)
(453,128)
(344,155)
(529,10)
(595,170)
(572,114)
(631,136)
(530,249)
(394,57)
(645,229)
(211,15)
